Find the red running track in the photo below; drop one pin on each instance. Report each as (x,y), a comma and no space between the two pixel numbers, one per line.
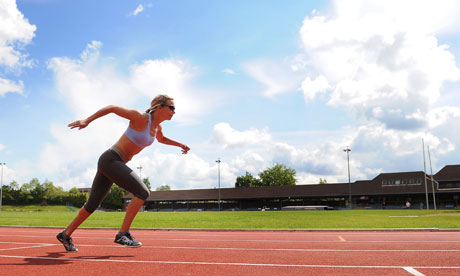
(35,251)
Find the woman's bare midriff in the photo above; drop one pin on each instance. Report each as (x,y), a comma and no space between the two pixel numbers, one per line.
(128,147)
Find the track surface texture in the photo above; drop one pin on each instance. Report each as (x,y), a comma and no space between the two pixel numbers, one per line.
(35,251)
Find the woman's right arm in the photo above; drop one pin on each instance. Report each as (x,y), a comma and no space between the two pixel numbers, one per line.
(130,114)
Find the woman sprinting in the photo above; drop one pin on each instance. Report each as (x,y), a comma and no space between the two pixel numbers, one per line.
(111,168)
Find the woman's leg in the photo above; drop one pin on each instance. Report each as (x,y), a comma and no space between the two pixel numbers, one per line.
(101,185)
(115,169)
(126,178)
(79,219)
(131,212)
(100,188)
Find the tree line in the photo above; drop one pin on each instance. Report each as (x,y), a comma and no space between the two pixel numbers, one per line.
(278,175)
(47,193)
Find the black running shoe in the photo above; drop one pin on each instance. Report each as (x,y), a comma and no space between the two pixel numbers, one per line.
(127,240)
(67,242)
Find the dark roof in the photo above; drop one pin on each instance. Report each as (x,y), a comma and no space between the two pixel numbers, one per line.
(362,187)
(358,188)
(251,192)
(448,173)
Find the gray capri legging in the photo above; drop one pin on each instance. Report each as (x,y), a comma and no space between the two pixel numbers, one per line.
(111,168)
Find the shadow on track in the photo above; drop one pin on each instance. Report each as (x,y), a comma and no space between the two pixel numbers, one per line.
(54,258)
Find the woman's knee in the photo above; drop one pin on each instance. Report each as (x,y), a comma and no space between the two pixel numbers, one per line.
(90,207)
(143,194)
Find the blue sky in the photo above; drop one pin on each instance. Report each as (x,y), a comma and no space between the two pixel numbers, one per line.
(255,83)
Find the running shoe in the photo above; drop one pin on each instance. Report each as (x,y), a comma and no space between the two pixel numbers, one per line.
(67,242)
(127,240)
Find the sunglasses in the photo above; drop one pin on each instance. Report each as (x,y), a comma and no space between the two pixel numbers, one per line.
(172,107)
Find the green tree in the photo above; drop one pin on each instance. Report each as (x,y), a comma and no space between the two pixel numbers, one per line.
(25,193)
(53,194)
(247,181)
(37,190)
(76,198)
(114,200)
(278,175)
(147,183)
(164,188)
(11,193)
(322,181)
(14,185)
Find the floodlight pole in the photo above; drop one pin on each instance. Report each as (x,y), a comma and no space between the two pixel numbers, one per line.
(218,178)
(140,172)
(347,150)
(1,187)
(424,176)
(432,182)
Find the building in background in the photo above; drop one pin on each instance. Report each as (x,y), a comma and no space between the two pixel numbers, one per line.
(385,191)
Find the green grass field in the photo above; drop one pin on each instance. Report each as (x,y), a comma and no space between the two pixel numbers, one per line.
(363,219)
(38,208)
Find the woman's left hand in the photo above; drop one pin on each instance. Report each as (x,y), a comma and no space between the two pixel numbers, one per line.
(185,148)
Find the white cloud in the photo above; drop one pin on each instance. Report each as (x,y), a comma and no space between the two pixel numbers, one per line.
(377,139)
(87,86)
(173,77)
(140,8)
(313,87)
(15,33)
(251,162)
(375,149)
(439,116)
(8,86)
(323,158)
(278,77)
(228,71)
(91,83)
(9,174)
(176,170)
(2,147)
(383,62)
(318,160)
(383,57)
(227,137)
(91,53)
(390,150)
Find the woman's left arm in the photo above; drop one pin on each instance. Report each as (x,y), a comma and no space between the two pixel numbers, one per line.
(165,140)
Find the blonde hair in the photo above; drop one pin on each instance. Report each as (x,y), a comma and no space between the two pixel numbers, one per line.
(159,100)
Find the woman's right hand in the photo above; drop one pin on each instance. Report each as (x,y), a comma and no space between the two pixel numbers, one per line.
(80,124)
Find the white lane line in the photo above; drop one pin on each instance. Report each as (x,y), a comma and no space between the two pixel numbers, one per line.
(248,248)
(281,249)
(35,243)
(242,240)
(302,249)
(27,247)
(222,263)
(412,271)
